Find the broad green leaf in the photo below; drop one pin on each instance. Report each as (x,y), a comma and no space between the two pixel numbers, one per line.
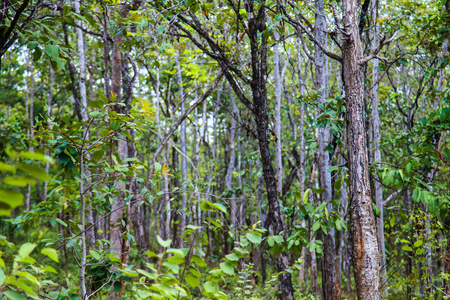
(34,171)
(19,181)
(254,238)
(7,168)
(198,261)
(95,254)
(407,248)
(26,249)
(176,251)
(211,287)
(14,295)
(420,251)
(192,280)
(232,257)
(51,253)
(9,200)
(220,207)
(37,156)
(52,51)
(162,242)
(195,272)
(216,272)
(433,206)
(418,243)
(227,268)
(157,166)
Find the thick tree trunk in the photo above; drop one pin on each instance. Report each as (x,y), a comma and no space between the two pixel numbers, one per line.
(364,235)
(330,279)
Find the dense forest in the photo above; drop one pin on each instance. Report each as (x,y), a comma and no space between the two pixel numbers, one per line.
(234,149)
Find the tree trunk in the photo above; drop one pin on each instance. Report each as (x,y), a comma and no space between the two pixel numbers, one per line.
(364,235)
(330,279)
(278,84)
(230,169)
(256,24)
(377,151)
(182,148)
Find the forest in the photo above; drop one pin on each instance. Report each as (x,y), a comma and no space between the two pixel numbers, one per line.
(234,149)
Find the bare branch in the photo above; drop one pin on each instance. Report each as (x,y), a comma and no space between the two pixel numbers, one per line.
(378,49)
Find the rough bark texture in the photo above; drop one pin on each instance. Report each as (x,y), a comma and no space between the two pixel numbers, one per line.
(256,24)
(330,279)
(364,235)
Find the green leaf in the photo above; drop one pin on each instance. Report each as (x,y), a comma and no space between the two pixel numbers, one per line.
(26,249)
(19,181)
(52,51)
(37,156)
(97,155)
(34,171)
(8,201)
(433,206)
(94,114)
(2,277)
(254,238)
(211,287)
(418,243)
(232,257)
(198,260)
(195,272)
(220,207)
(14,295)
(51,253)
(407,248)
(7,168)
(95,254)
(319,191)
(192,280)
(335,168)
(227,268)
(162,242)
(420,251)
(157,166)
(305,196)
(114,125)
(376,210)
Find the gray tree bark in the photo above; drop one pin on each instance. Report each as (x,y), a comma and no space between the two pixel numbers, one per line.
(363,228)
(330,279)
(182,148)
(278,86)
(376,150)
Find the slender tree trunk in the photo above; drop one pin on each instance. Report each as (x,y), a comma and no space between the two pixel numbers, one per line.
(377,152)
(313,264)
(256,24)
(30,105)
(84,116)
(364,235)
(278,85)
(49,115)
(230,169)
(330,279)
(182,148)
